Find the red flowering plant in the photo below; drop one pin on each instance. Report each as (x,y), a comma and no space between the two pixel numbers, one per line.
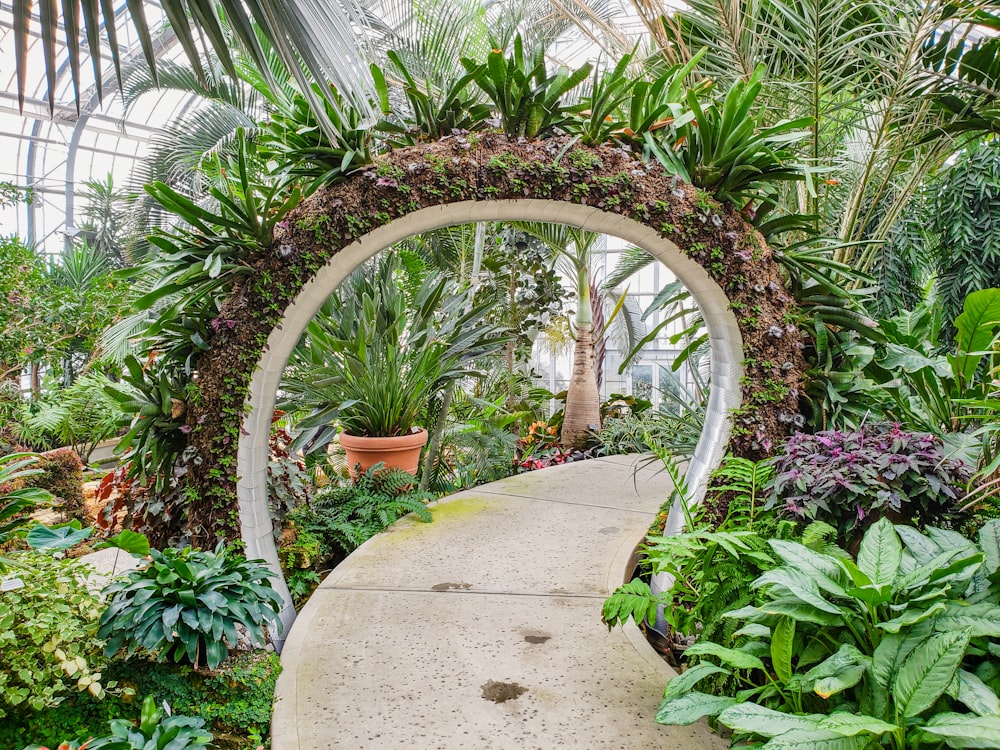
(851,479)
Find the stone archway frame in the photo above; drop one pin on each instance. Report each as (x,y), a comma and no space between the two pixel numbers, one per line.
(723,330)
(757,365)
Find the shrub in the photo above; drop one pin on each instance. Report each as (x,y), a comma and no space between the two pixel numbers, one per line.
(187,605)
(851,479)
(235,701)
(62,475)
(892,649)
(48,634)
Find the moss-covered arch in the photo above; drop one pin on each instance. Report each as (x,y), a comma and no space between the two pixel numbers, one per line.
(757,362)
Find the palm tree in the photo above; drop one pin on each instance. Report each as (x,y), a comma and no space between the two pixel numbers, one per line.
(888,106)
(583,399)
(316,41)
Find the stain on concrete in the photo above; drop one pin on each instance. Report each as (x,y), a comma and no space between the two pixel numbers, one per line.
(451,586)
(501,692)
(537,638)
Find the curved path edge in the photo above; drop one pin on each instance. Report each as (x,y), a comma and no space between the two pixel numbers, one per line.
(482,629)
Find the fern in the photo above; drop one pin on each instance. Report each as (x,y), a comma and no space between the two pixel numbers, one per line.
(822,537)
(345,517)
(748,483)
(633,601)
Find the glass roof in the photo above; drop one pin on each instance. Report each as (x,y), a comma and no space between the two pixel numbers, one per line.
(55,154)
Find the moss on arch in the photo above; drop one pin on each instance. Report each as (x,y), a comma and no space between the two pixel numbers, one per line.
(488,168)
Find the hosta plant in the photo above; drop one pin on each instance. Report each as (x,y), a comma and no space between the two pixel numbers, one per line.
(186,605)
(158,729)
(894,649)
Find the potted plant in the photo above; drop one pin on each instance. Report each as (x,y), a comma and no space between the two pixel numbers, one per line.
(385,343)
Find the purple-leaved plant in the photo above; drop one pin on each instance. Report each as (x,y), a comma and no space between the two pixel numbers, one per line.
(851,479)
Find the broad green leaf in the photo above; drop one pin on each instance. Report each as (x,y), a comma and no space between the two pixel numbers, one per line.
(797,610)
(817,740)
(891,651)
(927,671)
(852,724)
(687,679)
(691,707)
(842,670)
(873,596)
(911,617)
(55,538)
(782,644)
(989,542)
(977,330)
(730,656)
(798,585)
(754,630)
(127,540)
(751,717)
(941,567)
(823,569)
(983,620)
(880,553)
(923,549)
(969,731)
(977,696)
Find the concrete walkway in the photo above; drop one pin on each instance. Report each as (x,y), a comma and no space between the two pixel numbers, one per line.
(483,628)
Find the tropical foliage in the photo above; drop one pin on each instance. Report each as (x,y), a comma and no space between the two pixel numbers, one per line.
(890,648)
(186,605)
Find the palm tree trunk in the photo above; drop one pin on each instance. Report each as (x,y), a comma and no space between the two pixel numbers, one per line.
(583,403)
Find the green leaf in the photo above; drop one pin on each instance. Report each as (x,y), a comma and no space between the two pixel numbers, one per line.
(842,670)
(782,645)
(817,740)
(989,542)
(687,679)
(977,695)
(873,596)
(881,553)
(982,620)
(823,569)
(963,730)
(794,608)
(127,540)
(927,671)
(853,724)
(911,617)
(750,717)
(977,330)
(797,585)
(54,538)
(691,707)
(730,656)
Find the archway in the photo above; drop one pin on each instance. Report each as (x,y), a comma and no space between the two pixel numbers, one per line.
(757,366)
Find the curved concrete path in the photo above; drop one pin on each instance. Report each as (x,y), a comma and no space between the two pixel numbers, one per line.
(483,628)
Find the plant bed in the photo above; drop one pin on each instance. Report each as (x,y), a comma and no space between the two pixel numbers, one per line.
(234,700)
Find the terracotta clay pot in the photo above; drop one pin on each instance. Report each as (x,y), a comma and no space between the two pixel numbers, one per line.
(401,452)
